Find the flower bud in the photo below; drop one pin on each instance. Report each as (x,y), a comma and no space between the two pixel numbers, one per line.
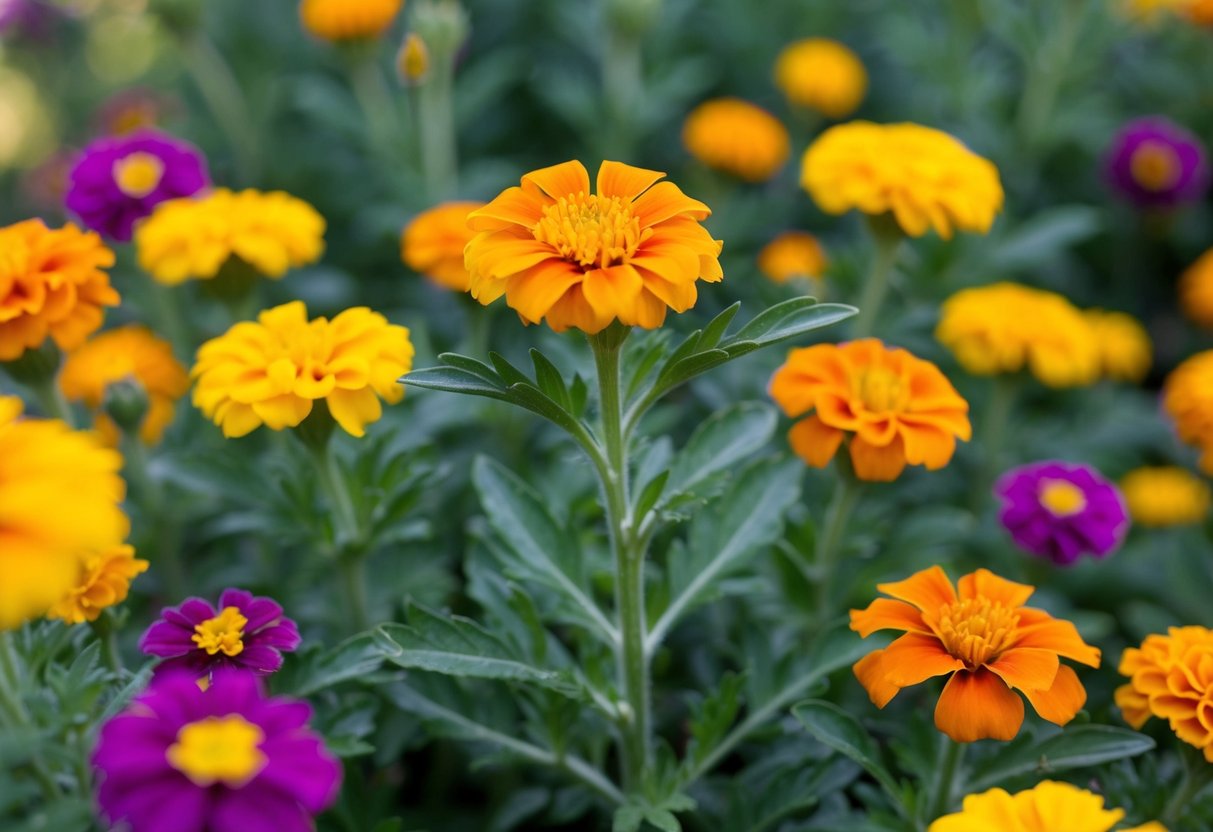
(442,26)
(126,403)
(413,60)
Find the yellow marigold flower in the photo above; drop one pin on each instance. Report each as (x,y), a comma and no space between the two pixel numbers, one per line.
(1047,807)
(60,497)
(823,75)
(925,177)
(434,241)
(792,254)
(1169,677)
(1196,290)
(1165,496)
(1188,400)
(738,138)
(348,19)
(413,60)
(131,353)
(1125,349)
(52,285)
(1008,327)
(579,259)
(272,372)
(104,581)
(193,238)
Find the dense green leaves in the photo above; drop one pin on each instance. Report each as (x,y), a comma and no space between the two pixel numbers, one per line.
(835,728)
(1076,747)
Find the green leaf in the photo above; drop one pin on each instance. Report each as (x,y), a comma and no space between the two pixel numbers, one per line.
(454,380)
(1044,236)
(722,441)
(714,717)
(1077,747)
(785,320)
(550,381)
(651,494)
(628,818)
(714,331)
(508,372)
(352,659)
(836,729)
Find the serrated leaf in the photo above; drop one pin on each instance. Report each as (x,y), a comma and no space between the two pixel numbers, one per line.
(723,440)
(785,320)
(352,659)
(1076,747)
(454,380)
(836,729)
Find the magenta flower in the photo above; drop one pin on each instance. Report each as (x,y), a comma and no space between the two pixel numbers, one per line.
(180,759)
(119,180)
(244,632)
(1061,511)
(1155,163)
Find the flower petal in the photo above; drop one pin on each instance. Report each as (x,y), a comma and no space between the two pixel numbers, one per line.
(814,441)
(927,590)
(870,672)
(1063,700)
(1027,668)
(985,584)
(914,658)
(566,179)
(885,614)
(625,181)
(978,706)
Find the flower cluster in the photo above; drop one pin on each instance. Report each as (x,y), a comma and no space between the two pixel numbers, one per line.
(1171,677)
(737,137)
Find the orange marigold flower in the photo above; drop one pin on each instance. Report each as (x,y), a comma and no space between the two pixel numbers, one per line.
(434,241)
(105,581)
(348,19)
(1171,677)
(1125,349)
(792,254)
(982,636)
(578,259)
(823,75)
(738,138)
(1196,291)
(897,409)
(52,284)
(1047,807)
(1188,399)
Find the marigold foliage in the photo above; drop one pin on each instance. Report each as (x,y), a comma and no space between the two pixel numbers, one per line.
(823,75)
(737,137)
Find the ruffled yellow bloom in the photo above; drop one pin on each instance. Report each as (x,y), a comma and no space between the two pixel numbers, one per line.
(348,19)
(738,138)
(1125,349)
(434,241)
(823,75)
(104,581)
(1165,496)
(193,238)
(1196,290)
(272,372)
(52,285)
(579,259)
(925,177)
(792,254)
(1171,677)
(1048,807)
(131,353)
(1008,327)
(60,497)
(1188,400)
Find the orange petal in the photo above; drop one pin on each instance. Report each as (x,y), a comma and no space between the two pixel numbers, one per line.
(929,589)
(814,442)
(533,292)
(885,614)
(914,658)
(927,446)
(985,584)
(566,179)
(625,181)
(978,706)
(874,463)
(1039,629)
(664,201)
(1027,668)
(513,206)
(870,672)
(613,291)
(1059,703)
(1134,706)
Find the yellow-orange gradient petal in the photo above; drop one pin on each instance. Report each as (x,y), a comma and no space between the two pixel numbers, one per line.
(927,590)
(978,706)
(914,658)
(985,584)
(885,614)
(814,442)
(1059,703)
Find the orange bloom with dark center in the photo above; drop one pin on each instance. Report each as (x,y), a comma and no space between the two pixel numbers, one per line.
(558,252)
(897,409)
(981,635)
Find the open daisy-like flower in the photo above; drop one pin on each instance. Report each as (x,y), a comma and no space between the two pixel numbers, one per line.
(582,259)
(980,635)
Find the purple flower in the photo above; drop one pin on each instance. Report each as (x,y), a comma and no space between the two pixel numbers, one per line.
(1061,511)
(180,759)
(120,180)
(1154,162)
(244,632)
(30,18)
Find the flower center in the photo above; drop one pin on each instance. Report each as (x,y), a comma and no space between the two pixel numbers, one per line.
(218,749)
(590,230)
(222,634)
(1155,166)
(977,630)
(881,390)
(1062,498)
(138,174)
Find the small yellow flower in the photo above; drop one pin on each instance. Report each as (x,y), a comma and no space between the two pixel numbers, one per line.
(194,238)
(925,178)
(348,19)
(1047,807)
(1187,397)
(1165,496)
(272,372)
(434,241)
(823,75)
(1008,327)
(736,137)
(1124,345)
(104,581)
(792,254)
(413,60)
(1196,290)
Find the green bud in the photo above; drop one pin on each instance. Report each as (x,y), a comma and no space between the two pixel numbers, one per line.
(633,17)
(442,25)
(36,367)
(126,403)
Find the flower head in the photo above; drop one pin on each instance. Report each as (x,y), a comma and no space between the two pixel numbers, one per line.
(52,285)
(1196,291)
(924,177)
(1125,350)
(737,137)
(434,241)
(579,259)
(118,181)
(897,409)
(823,75)
(1047,807)
(1171,677)
(1187,397)
(348,19)
(792,254)
(1166,496)
(180,759)
(104,581)
(1062,511)
(1008,327)
(982,636)
(1154,162)
(194,238)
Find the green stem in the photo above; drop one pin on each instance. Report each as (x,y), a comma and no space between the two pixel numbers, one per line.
(353,583)
(949,760)
(167,556)
(1047,72)
(51,400)
(436,121)
(833,531)
(375,100)
(12,711)
(888,246)
(225,98)
(103,629)
(1196,777)
(993,435)
(351,559)
(172,325)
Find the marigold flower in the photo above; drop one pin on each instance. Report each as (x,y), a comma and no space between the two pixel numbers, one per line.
(737,137)
(52,285)
(104,581)
(1125,349)
(792,254)
(575,259)
(925,177)
(985,640)
(1170,678)
(434,241)
(823,75)
(273,371)
(1188,400)
(1047,807)
(897,409)
(180,759)
(60,497)
(1008,327)
(130,353)
(348,19)
(1154,162)
(194,238)
(1166,496)
(1196,291)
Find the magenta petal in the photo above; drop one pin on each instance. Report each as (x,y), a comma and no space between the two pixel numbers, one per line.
(301,767)
(254,809)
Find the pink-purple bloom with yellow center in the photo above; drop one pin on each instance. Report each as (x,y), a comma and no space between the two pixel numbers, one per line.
(1155,163)
(1061,511)
(120,180)
(244,632)
(181,759)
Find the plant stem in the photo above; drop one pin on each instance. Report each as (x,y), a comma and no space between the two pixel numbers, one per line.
(888,246)
(351,559)
(439,155)
(833,530)
(225,99)
(168,555)
(51,400)
(375,100)
(949,760)
(1047,72)
(103,629)
(993,435)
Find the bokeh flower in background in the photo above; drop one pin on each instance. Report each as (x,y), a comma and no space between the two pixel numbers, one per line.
(822,75)
(26,18)
(433,244)
(792,254)
(104,581)
(1187,397)
(1049,806)
(738,138)
(413,60)
(1165,495)
(1125,350)
(1170,678)
(134,109)
(339,20)
(1196,291)
(1155,163)
(985,640)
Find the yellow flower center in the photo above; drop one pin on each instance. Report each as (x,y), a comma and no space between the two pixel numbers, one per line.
(1061,498)
(882,391)
(1155,166)
(222,634)
(218,749)
(138,174)
(977,630)
(590,230)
